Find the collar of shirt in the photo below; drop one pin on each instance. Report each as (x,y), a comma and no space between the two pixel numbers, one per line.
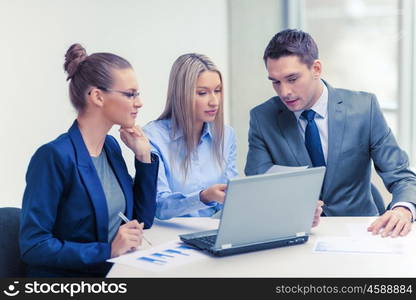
(206,131)
(320,107)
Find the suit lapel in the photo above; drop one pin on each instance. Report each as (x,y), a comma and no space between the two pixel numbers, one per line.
(91,182)
(336,127)
(290,130)
(123,178)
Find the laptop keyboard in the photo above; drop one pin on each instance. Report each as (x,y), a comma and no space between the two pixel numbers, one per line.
(207,240)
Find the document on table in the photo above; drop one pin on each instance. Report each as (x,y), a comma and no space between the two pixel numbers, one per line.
(283,169)
(361,241)
(358,245)
(161,258)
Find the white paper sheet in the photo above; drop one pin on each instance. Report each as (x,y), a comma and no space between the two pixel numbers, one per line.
(161,258)
(360,245)
(360,241)
(281,169)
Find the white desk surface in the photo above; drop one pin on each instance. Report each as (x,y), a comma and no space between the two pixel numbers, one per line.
(293,261)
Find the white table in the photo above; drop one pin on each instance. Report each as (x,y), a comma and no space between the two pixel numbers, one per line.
(293,261)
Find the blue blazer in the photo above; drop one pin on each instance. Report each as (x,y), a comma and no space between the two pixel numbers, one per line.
(64,222)
(358,135)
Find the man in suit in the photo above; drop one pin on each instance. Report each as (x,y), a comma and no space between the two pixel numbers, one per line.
(312,123)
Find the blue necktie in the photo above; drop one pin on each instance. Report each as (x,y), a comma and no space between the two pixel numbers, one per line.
(313,140)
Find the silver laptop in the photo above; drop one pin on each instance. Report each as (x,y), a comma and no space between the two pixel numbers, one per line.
(263,211)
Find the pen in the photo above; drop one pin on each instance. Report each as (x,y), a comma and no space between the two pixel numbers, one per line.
(125,219)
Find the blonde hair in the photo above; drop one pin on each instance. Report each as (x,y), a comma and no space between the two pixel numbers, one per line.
(179,106)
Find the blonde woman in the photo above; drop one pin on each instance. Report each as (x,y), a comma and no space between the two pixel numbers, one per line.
(197,152)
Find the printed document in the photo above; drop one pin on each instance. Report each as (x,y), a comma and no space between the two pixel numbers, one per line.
(284,169)
(361,241)
(161,258)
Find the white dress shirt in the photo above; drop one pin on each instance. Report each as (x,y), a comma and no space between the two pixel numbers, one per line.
(321,120)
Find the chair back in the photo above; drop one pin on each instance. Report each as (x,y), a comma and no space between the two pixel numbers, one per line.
(378,199)
(10,263)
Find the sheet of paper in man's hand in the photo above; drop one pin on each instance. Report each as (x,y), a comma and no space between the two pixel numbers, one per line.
(284,169)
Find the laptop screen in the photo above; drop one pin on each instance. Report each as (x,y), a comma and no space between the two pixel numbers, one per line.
(269,207)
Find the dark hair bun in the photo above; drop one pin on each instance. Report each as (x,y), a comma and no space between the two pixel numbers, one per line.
(73,57)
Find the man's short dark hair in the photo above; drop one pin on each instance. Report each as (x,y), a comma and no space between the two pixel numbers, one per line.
(292,42)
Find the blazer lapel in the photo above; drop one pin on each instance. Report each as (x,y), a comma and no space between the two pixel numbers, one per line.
(91,182)
(288,125)
(336,127)
(124,179)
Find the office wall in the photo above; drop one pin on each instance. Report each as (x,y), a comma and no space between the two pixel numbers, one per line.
(35,35)
(251,27)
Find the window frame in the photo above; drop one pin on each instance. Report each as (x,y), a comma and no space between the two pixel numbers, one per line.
(294,17)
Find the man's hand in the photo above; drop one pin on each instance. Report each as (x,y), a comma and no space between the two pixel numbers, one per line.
(397,221)
(318,212)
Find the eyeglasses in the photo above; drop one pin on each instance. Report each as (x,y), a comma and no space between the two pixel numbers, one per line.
(130,95)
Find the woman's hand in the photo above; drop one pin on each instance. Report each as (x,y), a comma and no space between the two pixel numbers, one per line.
(128,238)
(215,193)
(136,140)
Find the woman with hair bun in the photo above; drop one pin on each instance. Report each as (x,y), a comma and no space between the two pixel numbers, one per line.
(78,183)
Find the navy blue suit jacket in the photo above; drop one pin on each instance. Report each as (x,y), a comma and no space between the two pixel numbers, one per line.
(64,222)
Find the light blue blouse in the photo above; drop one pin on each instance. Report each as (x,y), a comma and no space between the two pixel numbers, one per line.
(178,196)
